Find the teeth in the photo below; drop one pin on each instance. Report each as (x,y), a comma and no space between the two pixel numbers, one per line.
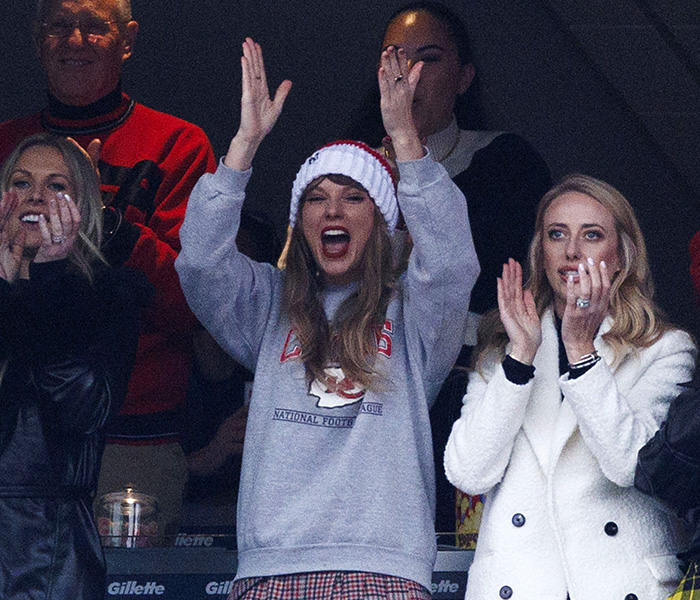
(30,219)
(334,232)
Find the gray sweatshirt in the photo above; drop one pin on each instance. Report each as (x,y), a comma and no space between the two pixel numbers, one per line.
(335,481)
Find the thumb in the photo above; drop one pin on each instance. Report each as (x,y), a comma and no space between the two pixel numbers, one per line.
(94,148)
(281,95)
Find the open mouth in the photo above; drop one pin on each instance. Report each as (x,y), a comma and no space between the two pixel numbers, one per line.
(565,273)
(30,218)
(335,242)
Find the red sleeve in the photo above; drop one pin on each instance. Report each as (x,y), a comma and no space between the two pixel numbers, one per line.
(695,264)
(188,156)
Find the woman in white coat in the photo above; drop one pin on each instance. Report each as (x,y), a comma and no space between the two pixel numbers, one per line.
(575,373)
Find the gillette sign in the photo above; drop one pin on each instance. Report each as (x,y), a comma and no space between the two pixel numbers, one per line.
(132,588)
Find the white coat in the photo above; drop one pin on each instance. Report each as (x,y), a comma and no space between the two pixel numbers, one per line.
(557,458)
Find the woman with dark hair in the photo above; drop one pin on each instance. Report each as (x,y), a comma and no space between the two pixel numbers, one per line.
(68,330)
(499,173)
(575,373)
(336,494)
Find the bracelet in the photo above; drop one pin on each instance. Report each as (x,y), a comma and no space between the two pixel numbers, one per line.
(586,361)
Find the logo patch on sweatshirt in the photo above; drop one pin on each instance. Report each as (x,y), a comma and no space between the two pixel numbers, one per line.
(336,391)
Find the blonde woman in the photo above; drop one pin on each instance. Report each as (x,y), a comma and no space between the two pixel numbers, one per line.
(68,330)
(575,372)
(336,494)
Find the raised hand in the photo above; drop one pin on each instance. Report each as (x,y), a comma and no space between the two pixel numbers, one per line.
(58,235)
(259,113)
(11,248)
(584,314)
(518,313)
(397,85)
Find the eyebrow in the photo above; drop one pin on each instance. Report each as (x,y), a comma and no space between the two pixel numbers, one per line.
(25,172)
(425,48)
(583,226)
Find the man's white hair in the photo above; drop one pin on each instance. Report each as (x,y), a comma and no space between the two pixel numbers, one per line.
(123,9)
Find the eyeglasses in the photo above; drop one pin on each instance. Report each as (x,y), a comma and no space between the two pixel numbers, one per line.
(92,29)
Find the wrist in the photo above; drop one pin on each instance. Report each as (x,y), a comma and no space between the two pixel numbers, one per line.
(574,353)
(407,147)
(523,355)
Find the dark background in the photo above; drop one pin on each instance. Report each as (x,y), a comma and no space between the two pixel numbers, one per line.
(594,91)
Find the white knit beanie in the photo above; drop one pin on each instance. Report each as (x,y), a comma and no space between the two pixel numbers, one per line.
(357,161)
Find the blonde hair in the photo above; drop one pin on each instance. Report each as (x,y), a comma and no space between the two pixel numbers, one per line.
(637,321)
(85,252)
(350,340)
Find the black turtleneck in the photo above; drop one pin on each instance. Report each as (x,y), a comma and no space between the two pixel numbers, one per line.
(103,106)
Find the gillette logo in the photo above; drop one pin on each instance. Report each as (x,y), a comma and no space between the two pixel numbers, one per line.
(219,587)
(131,588)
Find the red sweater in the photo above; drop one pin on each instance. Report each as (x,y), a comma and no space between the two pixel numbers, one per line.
(695,263)
(177,154)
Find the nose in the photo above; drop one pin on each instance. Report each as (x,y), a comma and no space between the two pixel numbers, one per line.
(37,195)
(334,208)
(75,37)
(573,249)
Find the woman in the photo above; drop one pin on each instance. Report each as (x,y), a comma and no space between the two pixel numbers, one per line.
(500,174)
(336,493)
(574,374)
(68,327)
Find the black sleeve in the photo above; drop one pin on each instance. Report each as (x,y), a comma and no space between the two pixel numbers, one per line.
(79,340)
(668,466)
(503,186)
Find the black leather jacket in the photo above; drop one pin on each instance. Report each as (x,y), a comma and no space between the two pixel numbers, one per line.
(668,466)
(66,348)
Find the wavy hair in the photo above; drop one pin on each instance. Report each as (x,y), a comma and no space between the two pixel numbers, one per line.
(637,321)
(350,340)
(85,253)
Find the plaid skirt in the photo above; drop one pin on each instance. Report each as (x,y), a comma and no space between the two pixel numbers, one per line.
(326,585)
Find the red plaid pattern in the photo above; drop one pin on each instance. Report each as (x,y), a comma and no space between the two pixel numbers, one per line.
(327,585)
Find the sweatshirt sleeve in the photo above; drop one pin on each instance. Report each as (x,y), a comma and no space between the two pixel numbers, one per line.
(442,268)
(230,294)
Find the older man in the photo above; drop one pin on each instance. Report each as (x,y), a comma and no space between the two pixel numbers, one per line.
(148,164)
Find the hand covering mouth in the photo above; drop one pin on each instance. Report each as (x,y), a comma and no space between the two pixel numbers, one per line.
(335,242)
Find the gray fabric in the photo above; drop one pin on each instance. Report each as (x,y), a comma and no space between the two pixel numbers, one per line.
(349,488)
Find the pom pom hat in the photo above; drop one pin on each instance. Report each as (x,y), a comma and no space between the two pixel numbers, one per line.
(357,161)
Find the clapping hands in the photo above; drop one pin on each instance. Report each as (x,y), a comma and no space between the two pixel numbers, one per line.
(58,234)
(518,313)
(11,245)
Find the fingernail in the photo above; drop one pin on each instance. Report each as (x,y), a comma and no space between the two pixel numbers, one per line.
(571,278)
(67,197)
(42,217)
(603,265)
(590,261)
(581,267)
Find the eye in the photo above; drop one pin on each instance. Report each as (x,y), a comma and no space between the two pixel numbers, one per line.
(57,186)
(20,184)
(95,27)
(313,199)
(593,235)
(431,58)
(555,234)
(355,198)
(58,28)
